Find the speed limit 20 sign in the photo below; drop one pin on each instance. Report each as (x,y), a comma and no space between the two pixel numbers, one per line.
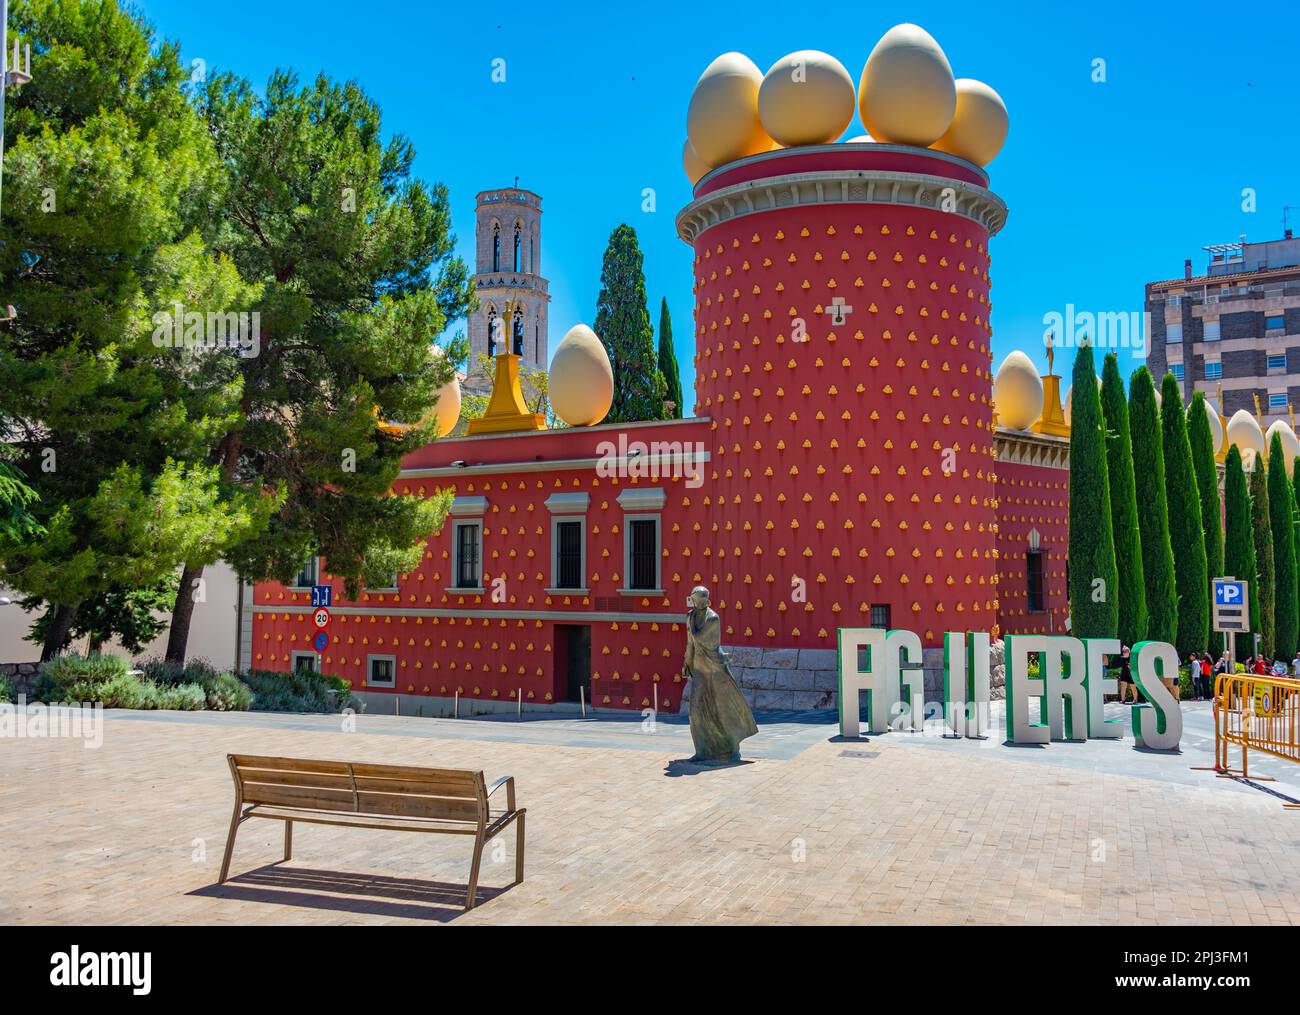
(321,617)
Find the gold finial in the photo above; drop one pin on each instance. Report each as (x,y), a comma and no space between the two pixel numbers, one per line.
(1220,395)
(1291,413)
(1258,418)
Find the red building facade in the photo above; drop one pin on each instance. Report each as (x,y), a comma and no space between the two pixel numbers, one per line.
(841,472)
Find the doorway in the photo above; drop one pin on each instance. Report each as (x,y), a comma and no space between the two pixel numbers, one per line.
(573,660)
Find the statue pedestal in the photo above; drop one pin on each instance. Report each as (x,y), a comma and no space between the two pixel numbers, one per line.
(506,412)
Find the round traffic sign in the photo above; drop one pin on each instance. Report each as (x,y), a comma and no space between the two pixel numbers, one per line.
(321,617)
(321,641)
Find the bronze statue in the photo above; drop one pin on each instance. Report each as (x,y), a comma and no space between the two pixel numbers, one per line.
(720,718)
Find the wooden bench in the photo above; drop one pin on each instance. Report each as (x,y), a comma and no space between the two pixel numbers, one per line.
(395,797)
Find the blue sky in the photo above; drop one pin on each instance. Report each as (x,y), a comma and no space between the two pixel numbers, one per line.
(1110,185)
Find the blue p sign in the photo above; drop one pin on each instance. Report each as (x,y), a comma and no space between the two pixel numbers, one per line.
(1228,593)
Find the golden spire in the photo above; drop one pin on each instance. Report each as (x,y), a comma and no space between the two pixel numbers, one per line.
(1258,418)
(1220,396)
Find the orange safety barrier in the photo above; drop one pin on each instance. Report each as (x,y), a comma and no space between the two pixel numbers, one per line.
(1256,712)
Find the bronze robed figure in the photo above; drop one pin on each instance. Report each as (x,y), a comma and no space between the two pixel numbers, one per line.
(720,718)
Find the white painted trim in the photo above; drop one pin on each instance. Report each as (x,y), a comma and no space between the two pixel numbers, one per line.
(643,498)
(568,503)
(468,506)
(559,616)
(456,525)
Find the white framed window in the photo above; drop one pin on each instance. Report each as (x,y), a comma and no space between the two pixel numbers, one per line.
(1213,370)
(1277,361)
(381,671)
(1173,333)
(305,662)
(467,544)
(568,541)
(1277,400)
(308,575)
(1177,370)
(1211,331)
(1274,321)
(390,587)
(642,540)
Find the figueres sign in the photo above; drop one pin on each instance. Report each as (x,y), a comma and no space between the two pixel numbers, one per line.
(1070,686)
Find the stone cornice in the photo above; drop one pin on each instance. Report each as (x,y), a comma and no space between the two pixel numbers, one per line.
(1021,447)
(841,186)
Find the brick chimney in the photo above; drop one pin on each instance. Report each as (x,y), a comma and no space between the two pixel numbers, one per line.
(1187,268)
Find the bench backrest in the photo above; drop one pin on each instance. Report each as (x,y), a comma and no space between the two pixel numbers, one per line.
(449,794)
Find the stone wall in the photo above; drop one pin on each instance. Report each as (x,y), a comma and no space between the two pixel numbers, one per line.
(800,680)
(21,676)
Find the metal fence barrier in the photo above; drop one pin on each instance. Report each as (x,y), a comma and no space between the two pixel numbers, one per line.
(1255,712)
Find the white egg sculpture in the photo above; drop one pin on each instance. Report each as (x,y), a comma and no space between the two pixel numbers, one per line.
(861,139)
(1245,434)
(1290,444)
(1069,401)
(979,125)
(806,98)
(581,378)
(722,120)
(446,411)
(1018,392)
(907,94)
(694,166)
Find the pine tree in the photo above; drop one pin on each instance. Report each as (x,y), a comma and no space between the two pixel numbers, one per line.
(1262,528)
(1094,581)
(1239,543)
(1123,506)
(623,324)
(1207,483)
(1186,528)
(1153,511)
(354,258)
(668,361)
(1281,511)
(107,175)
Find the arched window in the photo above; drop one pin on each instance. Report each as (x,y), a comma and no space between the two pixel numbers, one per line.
(492,331)
(518,248)
(496,248)
(518,337)
(537,344)
(532,252)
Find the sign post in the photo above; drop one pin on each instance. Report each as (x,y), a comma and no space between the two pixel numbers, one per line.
(321,618)
(1231,612)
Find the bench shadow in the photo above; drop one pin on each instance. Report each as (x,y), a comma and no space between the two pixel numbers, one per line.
(340,891)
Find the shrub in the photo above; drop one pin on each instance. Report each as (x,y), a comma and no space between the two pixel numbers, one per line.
(227,693)
(296,691)
(6,690)
(181,697)
(66,670)
(122,691)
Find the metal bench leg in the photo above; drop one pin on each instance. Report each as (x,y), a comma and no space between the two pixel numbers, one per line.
(473,872)
(288,840)
(519,849)
(230,843)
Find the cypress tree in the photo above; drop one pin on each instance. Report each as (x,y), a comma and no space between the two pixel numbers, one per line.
(1281,508)
(1186,530)
(1123,505)
(1207,483)
(1262,529)
(668,361)
(623,324)
(1239,543)
(1094,582)
(1153,513)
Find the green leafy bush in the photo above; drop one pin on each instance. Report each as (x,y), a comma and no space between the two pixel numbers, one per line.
(125,690)
(227,693)
(297,691)
(66,670)
(6,690)
(180,698)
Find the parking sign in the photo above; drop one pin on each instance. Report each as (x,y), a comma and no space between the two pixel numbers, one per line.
(1231,605)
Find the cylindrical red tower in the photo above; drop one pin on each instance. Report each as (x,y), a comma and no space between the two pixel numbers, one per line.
(842,353)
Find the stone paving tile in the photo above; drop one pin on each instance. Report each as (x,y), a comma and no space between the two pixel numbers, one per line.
(133,833)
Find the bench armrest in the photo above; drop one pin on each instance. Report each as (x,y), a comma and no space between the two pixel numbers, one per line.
(509,782)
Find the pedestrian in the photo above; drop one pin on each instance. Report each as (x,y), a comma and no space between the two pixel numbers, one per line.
(1222,667)
(1295,663)
(1126,678)
(1260,667)
(1204,686)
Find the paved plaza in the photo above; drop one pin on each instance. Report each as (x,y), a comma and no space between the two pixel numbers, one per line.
(899,828)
